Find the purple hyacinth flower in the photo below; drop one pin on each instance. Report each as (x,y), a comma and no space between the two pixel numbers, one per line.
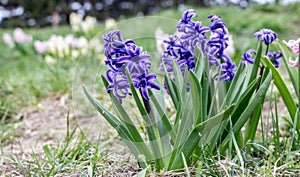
(220,40)
(126,54)
(227,69)
(266,35)
(193,34)
(112,41)
(275,57)
(247,56)
(186,20)
(143,82)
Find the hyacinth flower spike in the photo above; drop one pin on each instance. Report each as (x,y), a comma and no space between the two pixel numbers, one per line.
(120,55)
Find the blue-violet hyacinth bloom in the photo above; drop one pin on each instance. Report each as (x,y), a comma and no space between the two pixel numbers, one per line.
(194,34)
(120,55)
(248,56)
(266,35)
(275,57)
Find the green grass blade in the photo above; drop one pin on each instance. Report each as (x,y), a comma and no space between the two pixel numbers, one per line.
(142,173)
(185,165)
(238,151)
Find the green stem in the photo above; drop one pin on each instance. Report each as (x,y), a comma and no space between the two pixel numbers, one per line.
(155,129)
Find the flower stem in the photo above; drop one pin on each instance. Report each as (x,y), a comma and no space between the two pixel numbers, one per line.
(153,124)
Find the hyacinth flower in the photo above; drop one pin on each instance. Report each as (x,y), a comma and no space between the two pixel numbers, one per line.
(274,57)
(267,36)
(181,49)
(120,55)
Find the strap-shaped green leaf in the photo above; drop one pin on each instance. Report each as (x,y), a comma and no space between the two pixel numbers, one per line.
(283,90)
(246,113)
(256,63)
(154,141)
(163,116)
(196,90)
(114,122)
(292,72)
(193,139)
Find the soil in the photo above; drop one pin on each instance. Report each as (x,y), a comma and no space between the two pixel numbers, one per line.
(46,124)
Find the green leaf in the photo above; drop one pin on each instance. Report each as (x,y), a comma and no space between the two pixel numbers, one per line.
(173,90)
(163,116)
(252,124)
(283,90)
(193,139)
(235,85)
(114,122)
(48,154)
(154,140)
(196,90)
(256,61)
(246,113)
(292,71)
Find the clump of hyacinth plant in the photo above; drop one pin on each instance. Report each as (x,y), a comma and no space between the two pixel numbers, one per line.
(212,97)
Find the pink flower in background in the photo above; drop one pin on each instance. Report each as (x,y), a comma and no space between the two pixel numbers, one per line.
(20,36)
(294,63)
(8,39)
(40,47)
(294,45)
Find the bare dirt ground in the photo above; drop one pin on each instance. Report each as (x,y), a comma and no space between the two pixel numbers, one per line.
(46,124)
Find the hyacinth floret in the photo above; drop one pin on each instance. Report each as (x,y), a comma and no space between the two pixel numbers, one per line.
(266,35)
(275,57)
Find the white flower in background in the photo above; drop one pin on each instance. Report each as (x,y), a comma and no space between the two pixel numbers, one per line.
(40,47)
(8,39)
(79,42)
(69,39)
(20,36)
(88,24)
(75,21)
(95,45)
(160,36)
(58,46)
(110,23)
(75,53)
(50,60)
(230,50)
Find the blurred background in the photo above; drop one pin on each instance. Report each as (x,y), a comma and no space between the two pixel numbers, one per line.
(33,13)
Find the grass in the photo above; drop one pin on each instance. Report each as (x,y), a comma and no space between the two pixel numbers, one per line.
(26,80)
